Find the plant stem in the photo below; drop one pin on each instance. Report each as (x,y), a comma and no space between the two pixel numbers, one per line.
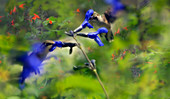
(94,69)
(98,78)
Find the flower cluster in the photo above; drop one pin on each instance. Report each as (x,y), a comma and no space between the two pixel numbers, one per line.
(92,35)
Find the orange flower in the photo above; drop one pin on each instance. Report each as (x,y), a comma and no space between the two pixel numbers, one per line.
(0,20)
(125,28)
(121,57)
(14,10)
(118,31)
(124,52)
(10,12)
(12,22)
(50,22)
(35,17)
(0,61)
(78,10)
(113,56)
(47,19)
(115,34)
(155,71)
(21,6)
(1,16)
(30,20)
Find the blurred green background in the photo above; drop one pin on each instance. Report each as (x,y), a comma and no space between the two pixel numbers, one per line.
(136,65)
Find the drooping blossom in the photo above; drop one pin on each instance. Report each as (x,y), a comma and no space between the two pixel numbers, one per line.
(113,56)
(13,11)
(12,22)
(78,10)
(1,16)
(85,23)
(118,31)
(94,35)
(47,19)
(63,44)
(50,22)
(89,13)
(125,28)
(21,6)
(35,17)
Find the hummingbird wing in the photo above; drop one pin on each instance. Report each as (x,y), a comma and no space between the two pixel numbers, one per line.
(104,20)
(109,36)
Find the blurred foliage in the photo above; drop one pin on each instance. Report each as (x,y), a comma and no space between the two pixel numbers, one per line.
(135,65)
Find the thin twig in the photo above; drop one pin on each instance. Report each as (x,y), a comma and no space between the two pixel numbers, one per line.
(91,66)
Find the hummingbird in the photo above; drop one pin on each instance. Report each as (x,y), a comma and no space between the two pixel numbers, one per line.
(33,61)
(104,20)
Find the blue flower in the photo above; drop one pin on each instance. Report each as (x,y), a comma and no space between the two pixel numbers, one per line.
(116,5)
(94,36)
(62,44)
(56,44)
(85,23)
(89,13)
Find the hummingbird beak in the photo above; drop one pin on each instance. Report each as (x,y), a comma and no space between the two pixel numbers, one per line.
(47,43)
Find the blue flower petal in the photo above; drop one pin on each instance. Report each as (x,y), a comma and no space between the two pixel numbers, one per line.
(102,30)
(89,13)
(85,23)
(94,36)
(99,42)
(56,44)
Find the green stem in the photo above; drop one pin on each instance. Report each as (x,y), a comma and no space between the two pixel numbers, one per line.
(91,66)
